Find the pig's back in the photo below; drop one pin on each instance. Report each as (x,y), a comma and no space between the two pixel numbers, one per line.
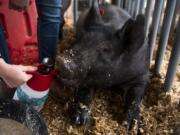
(114,16)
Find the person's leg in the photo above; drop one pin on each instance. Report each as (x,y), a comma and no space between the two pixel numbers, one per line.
(49,12)
(3,47)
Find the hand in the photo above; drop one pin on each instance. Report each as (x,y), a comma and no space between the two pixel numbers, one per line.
(15,75)
(19,5)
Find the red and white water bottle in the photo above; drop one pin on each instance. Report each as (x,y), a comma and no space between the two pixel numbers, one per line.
(35,91)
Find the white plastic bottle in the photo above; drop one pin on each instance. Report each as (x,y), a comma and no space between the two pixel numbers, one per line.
(35,91)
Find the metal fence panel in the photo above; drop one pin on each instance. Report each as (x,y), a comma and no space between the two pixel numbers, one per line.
(169,12)
(174,61)
(155,24)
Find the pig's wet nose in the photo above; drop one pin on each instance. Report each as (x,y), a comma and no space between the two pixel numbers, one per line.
(64,64)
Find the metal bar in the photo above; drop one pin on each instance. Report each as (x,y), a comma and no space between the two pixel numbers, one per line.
(75,11)
(141,8)
(131,11)
(149,8)
(173,25)
(174,60)
(155,23)
(116,2)
(164,33)
(129,4)
(121,3)
(162,17)
(89,3)
(137,6)
(126,4)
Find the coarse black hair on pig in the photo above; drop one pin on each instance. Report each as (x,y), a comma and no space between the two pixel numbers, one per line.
(110,52)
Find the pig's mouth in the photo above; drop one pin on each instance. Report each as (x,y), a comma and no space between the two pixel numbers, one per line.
(73,78)
(69,82)
(70,75)
(72,71)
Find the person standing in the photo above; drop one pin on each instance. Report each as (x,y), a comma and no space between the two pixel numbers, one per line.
(49,20)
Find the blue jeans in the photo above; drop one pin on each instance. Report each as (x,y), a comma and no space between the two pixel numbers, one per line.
(3,47)
(49,19)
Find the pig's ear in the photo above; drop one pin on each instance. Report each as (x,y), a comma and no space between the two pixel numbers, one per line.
(133,33)
(123,31)
(93,17)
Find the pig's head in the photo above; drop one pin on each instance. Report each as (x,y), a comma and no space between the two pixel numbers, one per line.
(99,50)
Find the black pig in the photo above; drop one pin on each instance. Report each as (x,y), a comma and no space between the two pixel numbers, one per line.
(110,52)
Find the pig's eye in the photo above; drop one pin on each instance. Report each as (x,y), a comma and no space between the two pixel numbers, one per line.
(105,49)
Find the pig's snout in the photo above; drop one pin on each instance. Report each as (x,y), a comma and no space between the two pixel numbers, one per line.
(67,67)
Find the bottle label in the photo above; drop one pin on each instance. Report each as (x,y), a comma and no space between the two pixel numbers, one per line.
(26,99)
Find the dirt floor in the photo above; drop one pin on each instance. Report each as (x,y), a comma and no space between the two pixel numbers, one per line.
(160,111)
